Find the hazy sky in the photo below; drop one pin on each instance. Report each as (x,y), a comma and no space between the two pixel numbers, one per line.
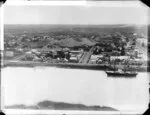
(74,15)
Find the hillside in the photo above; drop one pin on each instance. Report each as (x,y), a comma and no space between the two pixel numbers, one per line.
(68,42)
(68,35)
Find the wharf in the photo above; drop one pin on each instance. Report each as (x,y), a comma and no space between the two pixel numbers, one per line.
(69,65)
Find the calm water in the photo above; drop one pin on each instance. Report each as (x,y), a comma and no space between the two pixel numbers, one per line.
(31,85)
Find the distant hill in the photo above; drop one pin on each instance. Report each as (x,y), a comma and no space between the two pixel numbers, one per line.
(71,35)
(51,105)
(77,28)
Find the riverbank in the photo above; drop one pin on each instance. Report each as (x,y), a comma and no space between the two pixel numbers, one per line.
(71,66)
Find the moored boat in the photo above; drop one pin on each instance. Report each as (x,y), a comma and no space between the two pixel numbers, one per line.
(116,72)
(121,74)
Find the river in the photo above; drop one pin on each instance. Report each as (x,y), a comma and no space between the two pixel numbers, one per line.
(28,86)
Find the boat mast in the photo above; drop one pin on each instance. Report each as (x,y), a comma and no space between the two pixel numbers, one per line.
(114,65)
(130,67)
(125,65)
(115,62)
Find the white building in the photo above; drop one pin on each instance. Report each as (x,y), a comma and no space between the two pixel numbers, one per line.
(9,53)
(119,57)
(141,41)
(95,57)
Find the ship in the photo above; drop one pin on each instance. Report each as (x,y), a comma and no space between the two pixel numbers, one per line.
(118,72)
(121,74)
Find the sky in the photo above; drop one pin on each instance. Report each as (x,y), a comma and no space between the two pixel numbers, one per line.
(91,14)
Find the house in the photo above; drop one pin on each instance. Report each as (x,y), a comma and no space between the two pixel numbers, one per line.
(119,57)
(73,59)
(142,41)
(9,53)
(19,49)
(92,61)
(75,52)
(95,57)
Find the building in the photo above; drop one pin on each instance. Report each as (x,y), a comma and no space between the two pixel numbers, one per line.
(73,59)
(9,53)
(142,41)
(119,57)
(95,57)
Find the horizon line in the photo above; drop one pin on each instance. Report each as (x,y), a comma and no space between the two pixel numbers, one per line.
(77,24)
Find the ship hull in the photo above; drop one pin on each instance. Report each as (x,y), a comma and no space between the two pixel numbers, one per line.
(117,74)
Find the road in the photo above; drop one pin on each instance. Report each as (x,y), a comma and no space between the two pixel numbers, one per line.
(19,57)
(86,56)
(143,51)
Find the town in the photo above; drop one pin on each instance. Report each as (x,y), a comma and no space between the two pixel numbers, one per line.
(75,47)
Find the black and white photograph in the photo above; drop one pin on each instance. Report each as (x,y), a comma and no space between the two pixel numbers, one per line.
(81,58)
